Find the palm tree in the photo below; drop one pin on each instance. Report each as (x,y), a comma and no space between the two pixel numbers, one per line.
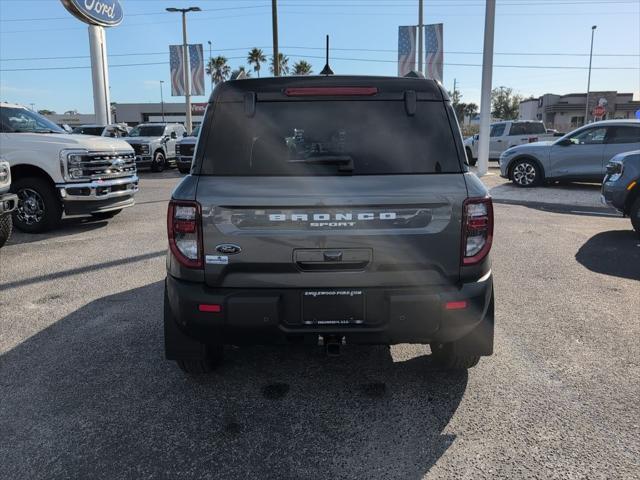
(283,62)
(238,71)
(218,69)
(256,57)
(302,67)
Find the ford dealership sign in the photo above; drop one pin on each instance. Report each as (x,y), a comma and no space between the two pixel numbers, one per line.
(106,13)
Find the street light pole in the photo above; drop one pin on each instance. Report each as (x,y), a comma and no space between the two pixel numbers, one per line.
(162,99)
(210,58)
(586,107)
(485,92)
(274,27)
(185,62)
(420,39)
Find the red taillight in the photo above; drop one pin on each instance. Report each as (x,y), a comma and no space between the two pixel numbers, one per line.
(329,91)
(214,308)
(184,229)
(477,230)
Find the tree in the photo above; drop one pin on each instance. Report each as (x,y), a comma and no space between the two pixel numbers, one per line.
(218,69)
(238,71)
(462,109)
(283,62)
(256,57)
(46,112)
(505,104)
(302,67)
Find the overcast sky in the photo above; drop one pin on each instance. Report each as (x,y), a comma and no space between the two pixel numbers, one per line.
(529,34)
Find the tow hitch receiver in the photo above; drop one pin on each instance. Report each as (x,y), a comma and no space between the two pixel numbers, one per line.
(332,344)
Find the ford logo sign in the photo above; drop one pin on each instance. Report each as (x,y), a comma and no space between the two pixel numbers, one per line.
(105,13)
(228,249)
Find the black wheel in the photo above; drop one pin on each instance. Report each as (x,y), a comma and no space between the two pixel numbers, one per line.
(446,356)
(472,161)
(105,215)
(159,162)
(6,225)
(526,173)
(184,170)
(634,214)
(39,208)
(214,356)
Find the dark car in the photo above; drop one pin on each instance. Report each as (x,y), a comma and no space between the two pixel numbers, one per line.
(621,186)
(329,210)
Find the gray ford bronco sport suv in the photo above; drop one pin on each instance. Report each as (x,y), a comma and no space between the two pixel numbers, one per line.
(329,210)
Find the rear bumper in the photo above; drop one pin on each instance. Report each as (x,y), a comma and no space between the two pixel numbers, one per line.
(274,316)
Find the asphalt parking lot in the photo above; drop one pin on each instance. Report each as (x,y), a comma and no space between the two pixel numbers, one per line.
(85,391)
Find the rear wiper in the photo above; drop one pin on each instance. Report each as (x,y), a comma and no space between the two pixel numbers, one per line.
(344,162)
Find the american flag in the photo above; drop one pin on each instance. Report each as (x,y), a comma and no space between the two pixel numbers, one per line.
(177,70)
(434,51)
(196,63)
(406,50)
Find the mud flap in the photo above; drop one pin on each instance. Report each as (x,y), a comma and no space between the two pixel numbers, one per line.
(480,340)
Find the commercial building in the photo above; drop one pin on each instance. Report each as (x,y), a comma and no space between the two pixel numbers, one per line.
(134,113)
(564,112)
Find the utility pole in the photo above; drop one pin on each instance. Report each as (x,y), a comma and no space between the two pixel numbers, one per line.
(274,26)
(586,107)
(454,86)
(185,62)
(485,94)
(162,99)
(420,39)
(210,58)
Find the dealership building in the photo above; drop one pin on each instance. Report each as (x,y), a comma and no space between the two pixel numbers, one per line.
(567,111)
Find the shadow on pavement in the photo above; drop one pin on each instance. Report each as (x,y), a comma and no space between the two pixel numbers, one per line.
(68,226)
(92,397)
(615,253)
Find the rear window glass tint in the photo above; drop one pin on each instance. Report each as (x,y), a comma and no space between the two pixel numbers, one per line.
(527,128)
(318,137)
(625,135)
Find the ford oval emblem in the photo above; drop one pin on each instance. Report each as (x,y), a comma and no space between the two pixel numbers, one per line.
(228,249)
(105,13)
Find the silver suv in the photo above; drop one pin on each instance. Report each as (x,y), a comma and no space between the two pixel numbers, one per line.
(329,210)
(155,144)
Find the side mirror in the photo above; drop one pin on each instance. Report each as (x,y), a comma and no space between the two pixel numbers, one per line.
(184,134)
(565,142)
(476,137)
(174,135)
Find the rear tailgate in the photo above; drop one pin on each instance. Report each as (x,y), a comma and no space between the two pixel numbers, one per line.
(343,231)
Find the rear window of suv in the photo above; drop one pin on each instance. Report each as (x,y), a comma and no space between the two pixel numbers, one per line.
(329,138)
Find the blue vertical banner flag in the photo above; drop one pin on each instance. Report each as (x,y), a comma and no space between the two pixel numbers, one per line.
(434,51)
(406,49)
(196,63)
(176,62)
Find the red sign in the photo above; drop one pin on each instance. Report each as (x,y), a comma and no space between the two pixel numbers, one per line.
(599,111)
(198,108)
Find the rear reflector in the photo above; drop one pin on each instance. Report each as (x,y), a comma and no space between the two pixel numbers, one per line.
(460,305)
(210,308)
(329,91)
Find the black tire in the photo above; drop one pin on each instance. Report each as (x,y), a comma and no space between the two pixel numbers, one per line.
(446,356)
(214,357)
(6,225)
(184,170)
(105,215)
(472,161)
(526,173)
(39,208)
(634,214)
(159,161)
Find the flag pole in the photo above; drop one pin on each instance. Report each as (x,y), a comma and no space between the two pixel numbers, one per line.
(420,37)
(485,95)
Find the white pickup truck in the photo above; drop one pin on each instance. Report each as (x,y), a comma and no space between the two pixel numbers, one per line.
(507,134)
(54,172)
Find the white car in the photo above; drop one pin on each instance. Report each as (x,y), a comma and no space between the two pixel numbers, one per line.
(54,172)
(504,135)
(115,130)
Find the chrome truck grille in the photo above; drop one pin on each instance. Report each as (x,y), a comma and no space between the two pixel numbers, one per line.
(99,165)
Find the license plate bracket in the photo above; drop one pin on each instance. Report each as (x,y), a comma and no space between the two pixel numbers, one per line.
(339,307)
